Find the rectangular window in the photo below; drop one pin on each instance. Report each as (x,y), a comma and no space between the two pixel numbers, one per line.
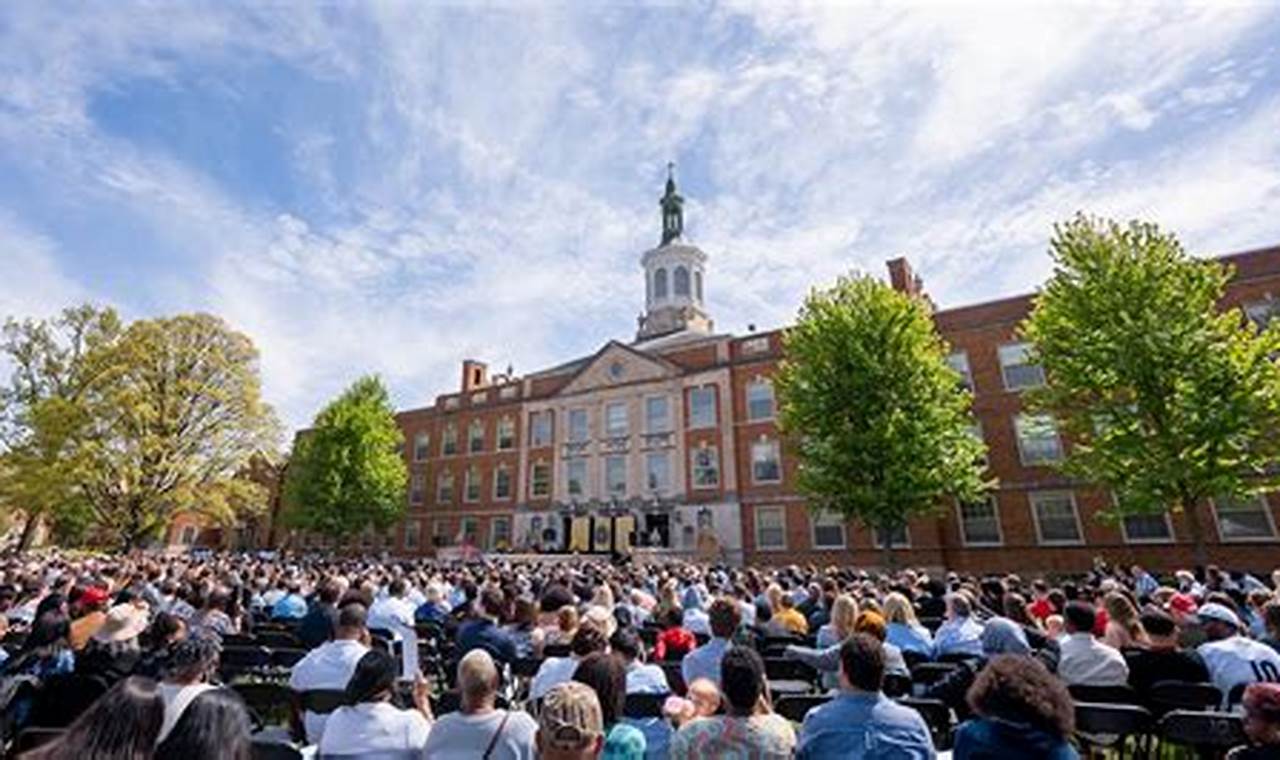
(502,482)
(500,533)
(765,467)
(578,426)
(658,472)
(752,346)
(471,484)
(475,437)
(1055,516)
(540,479)
(1261,313)
(657,414)
(706,467)
(540,428)
(959,361)
(439,533)
(980,523)
(702,407)
(1245,519)
(1018,373)
(615,476)
(975,430)
(575,476)
(411,532)
(771,528)
(444,488)
(759,400)
(417,484)
(506,434)
(828,530)
(449,440)
(900,538)
(1147,528)
(1038,441)
(470,530)
(421,447)
(615,419)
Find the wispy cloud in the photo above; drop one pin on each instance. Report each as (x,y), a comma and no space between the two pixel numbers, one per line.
(391,187)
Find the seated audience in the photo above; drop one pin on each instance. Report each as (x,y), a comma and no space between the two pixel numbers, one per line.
(369,722)
(479,729)
(904,631)
(674,641)
(702,701)
(862,722)
(192,663)
(1023,712)
(331,665)
(1271,622)
(607,676)
(291,606)
(215,726)
(1231,658)
(482,630)
(113,651)
(1261,723)
(704,662)
(1162,659)
(1124,627)
(999,636)
(120,725)
(643,678)
(749,728)
(570,724)
(557,670)
(960,633)
(1086,660)
(320,622)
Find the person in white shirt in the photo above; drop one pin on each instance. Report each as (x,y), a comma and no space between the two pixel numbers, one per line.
(330,665)
(557,670)
(392,612)
(479,730)
(1085,660)
(370,724)
(186,676)
(1231,658)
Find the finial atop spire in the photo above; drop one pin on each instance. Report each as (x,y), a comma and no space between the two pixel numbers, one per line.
(672,208)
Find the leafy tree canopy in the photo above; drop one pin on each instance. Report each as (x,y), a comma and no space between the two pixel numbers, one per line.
(346,473)
(880,423)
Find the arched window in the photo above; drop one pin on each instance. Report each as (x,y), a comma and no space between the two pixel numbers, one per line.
(697,284)
(660,284)
(681,282)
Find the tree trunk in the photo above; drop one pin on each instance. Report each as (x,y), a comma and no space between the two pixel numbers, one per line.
(1199,552)
(887,548)
(28,532)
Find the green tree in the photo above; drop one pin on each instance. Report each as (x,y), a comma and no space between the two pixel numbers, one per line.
(346,473)
(1168,399)
(879,422)
(42,414)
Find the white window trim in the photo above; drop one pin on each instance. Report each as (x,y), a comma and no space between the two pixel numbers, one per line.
(1004,379)
(693,481)
(1035,518)
(649,457)
(449,433)
(510,489)
(425,449)
(606,488)
(755,518)
(715,408)
(813,534)
(568,425)
(413,528)
(493,530)
(1017,439)
(777,447)
(582,482)
(626,419)
(533,468)
(549,416)
(964,538)
(470,429)
(466,485)
(904,545)
(440,481)
(1266,509)
(967,374)
(1169,539)
(759,380)
(667,425)
(498,438)
(462,527)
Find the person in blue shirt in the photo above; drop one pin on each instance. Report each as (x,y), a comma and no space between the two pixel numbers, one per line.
(643,678)
(960,633)
(904,631)
(434,609)
(483,632)
(292,606)
(704,661)
(862,722)
(1023,711)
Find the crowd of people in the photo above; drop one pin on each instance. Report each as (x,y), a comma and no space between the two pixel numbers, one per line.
(542,658)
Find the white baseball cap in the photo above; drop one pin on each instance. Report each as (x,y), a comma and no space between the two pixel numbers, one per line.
(1219,612)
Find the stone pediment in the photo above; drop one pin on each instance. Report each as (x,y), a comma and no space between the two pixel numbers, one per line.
(618,364)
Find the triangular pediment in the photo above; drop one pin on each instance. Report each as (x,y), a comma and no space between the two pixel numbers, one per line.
(618,364)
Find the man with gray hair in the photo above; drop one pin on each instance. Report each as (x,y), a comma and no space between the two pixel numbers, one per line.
(479,729)
(960,633)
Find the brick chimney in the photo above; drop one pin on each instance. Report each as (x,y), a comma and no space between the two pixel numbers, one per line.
(903,278)
(475,375)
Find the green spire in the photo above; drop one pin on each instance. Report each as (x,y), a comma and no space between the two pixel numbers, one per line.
(672,208)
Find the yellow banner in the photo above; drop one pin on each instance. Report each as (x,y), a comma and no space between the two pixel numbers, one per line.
(603,538)
(580,535)
(624,526)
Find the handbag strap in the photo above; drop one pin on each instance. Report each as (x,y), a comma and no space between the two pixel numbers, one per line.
(494,741)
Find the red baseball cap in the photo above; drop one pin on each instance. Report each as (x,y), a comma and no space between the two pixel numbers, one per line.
(94,595)
(1182,603)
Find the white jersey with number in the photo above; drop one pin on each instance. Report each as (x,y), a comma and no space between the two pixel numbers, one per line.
(1239,660)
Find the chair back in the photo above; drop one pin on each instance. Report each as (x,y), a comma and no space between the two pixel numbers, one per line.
(914,658)
(276,639)
(644,705)
(931,672)
(1164,696)
(936,715)
(782,669)
(1203,730)
(794,707)
(896,685)
(525,667)
(1109,726)
(287,657)
(261,749)
(1112,695)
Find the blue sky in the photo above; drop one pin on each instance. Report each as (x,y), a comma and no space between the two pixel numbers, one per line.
(391,187)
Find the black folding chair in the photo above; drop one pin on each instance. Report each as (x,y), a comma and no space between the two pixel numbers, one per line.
(789,676)
(525,667)
(936,715)
(271,704)
(1164,696)
(794,707)
(321,701)
(1111,695)
(931,672)
(1109,727)
(276,639)
(1209,733)
(914,658)
(644,705)
(958,658)
(241,660)
(287,657)
(261,749)
(896,685)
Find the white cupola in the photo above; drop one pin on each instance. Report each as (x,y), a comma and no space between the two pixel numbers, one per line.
(674,273)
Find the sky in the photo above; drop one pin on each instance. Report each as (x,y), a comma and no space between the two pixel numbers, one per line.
(393,187)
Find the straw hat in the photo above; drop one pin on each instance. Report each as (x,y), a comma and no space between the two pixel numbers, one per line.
(124,622)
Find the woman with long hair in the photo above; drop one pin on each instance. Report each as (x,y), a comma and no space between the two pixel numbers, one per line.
(1124,628)
(47,649)
(369,722)
(844,615)
(1023,711)
(607,675)
(120,725)
(903,628)
(215,726)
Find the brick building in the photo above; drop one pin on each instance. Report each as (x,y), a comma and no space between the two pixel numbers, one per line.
(668,444)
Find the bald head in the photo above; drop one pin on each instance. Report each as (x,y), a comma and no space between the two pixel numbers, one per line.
(477,680)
